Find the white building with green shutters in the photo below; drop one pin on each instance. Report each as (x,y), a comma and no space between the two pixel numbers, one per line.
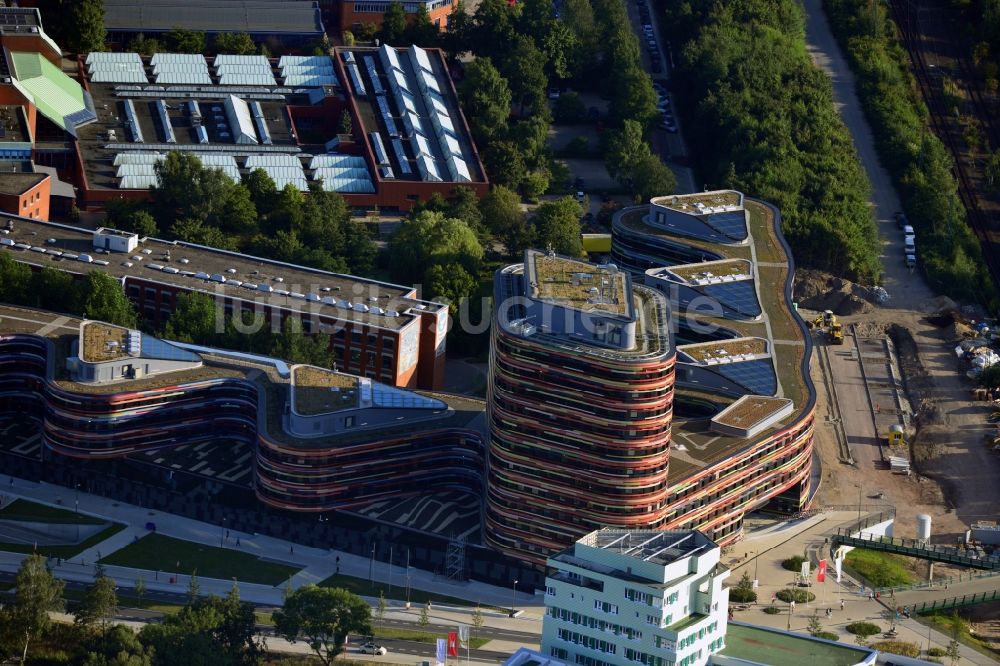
(625,597)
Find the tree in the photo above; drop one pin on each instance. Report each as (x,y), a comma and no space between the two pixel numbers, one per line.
(570,108)
(431,238)
(140,589)
(15,279)
(99,604)
(85,21)
(535,184)
(119,646)
(493,28)
(237,633)
(323,617)
(181,40)
(55,290)
(345,126)
(263,191)
(743,592)
(105,300)
(625,149)
(449,283)
(524,69)
(424,618)
(239,43)
(144,45)
(486,99)
(37,593)
(651,178)
(380,608)
(420,30)
(815,627)
(195,320)
(193,230)
(464,205)
(557,223)
(992,171)
(504,164)
(954,652)
(393,30)
(477,619)
(455,41)
(194,589)
(503,216)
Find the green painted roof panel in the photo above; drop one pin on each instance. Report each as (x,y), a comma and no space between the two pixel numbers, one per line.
(55,94)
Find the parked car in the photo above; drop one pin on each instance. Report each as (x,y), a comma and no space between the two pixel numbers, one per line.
(580,196)
(371,648)
(553,93)
(911,261)
(908,230)
(900,219)
(655,67)
(578,184)
(669,125)
(909,245)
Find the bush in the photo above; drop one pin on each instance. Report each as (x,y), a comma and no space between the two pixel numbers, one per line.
(793,594)
(863,628)
(742,596)
(772,610)
(897,647)
(937,652)
(828,635)
(880,569)
(793,563)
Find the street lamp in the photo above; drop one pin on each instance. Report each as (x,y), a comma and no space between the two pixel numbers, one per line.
(513,597)
(222,533)
(371,568)
(859,503)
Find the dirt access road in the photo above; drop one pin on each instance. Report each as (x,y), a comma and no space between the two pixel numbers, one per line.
(964,468)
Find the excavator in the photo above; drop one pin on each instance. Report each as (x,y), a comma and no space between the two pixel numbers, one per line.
(829,323)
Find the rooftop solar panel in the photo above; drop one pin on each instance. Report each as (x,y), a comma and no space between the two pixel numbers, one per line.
(756,376)
(731,224)
(740,296)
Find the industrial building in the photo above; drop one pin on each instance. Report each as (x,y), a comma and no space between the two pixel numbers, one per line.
(378,330)
(408,137)
(352,14)
(104,130)
(288,23)
(667,390)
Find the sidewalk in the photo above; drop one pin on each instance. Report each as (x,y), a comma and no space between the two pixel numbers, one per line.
(764,554)
(317,564)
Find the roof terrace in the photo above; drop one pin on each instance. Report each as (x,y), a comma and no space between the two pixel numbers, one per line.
(656,546)
(702,202)
(578,284)
(319,391)
(103,342)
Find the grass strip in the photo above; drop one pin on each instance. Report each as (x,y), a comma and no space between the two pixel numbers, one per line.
(167,554)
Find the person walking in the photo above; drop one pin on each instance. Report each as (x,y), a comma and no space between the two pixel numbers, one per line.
(841,604)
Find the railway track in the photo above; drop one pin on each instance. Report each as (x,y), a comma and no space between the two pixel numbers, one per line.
(912,40)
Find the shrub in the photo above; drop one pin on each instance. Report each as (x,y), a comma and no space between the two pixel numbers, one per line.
(742,596)
(798,596)
(793,563)
(828,635)
(772,610)
(937,652)
(863,628)
(897,647)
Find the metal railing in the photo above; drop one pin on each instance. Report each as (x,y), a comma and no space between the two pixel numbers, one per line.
(939,582)
(914,548)
(955,602)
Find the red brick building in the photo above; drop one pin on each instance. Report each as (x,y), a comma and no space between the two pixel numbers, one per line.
(25,194)
(354,13)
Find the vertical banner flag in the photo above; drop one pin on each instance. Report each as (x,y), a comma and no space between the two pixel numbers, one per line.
(442,651)
(836,566)
(805,570)
(452,644)
(821,572)
(463,635)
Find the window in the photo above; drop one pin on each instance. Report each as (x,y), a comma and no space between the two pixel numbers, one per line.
(355,355)
(150,294)
(388,343)
(348,421)
(550,591)
(653,620)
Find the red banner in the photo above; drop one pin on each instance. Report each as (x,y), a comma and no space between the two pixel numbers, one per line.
(452,643)
(821,572)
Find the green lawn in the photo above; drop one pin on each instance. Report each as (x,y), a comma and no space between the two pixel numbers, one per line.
(68,551)
(363,587)
(880,569)
(166,554)
(26,511)
(419,636)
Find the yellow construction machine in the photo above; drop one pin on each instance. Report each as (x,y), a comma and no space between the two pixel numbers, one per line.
(829,324)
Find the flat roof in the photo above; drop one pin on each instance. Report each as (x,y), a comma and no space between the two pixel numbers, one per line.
(778,648)
(320,391)
(656,546)
(716,351)
(252,16)
(695,445)
(693,203)
(750,410)
(373,120)
(103,342)
(17,183)
(578,284)
(710,272)
(13,124)
(190,266)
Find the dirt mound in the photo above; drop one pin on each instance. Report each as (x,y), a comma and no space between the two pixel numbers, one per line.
(945,317)
(957,331)
(815,290)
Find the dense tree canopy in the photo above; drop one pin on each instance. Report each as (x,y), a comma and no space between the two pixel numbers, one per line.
(84,27)
(239,43)
(322,617)
(754,100)
(36,594)
(430,238)
(557,225)
(105,300)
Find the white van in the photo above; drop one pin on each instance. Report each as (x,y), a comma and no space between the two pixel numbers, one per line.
(909,245)
(908,230)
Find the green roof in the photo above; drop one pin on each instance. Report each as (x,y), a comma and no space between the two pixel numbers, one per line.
(778,648)
(57,96)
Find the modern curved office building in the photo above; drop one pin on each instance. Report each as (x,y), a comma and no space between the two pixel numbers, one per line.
(582,376)
(703,414)
(322,440)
